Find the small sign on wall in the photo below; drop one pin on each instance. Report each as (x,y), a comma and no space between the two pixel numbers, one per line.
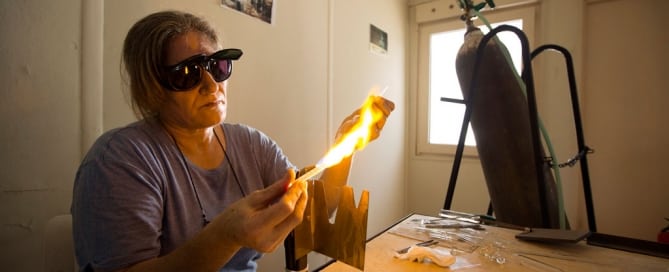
(378,40)
(260,9)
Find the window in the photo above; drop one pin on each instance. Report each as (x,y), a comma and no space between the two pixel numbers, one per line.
(439,123)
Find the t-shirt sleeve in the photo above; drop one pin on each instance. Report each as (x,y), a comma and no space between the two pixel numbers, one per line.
(117,208)
(273,163)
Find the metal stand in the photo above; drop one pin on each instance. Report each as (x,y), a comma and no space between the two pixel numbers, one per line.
(528,80)
(583,149)
(293,263)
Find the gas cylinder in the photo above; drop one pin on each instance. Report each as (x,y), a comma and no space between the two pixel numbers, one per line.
(501,124)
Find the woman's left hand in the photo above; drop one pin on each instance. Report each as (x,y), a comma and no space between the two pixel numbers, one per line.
(379,104)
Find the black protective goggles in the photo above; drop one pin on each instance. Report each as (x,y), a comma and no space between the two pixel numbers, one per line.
(188,73)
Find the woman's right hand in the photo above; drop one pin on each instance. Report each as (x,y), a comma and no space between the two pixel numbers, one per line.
(263,219)
(260,221)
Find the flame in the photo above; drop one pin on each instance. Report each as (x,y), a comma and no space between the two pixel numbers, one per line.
(357,138)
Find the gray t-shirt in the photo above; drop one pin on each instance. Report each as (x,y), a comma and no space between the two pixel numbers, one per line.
(133,199)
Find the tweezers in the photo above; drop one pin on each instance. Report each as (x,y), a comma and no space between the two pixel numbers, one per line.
(422,244)
(453,226)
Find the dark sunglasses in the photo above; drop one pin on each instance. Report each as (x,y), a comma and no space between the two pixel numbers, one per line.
(188,73)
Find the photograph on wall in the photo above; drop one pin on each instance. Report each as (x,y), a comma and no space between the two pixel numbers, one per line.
(260,9)
(378,40)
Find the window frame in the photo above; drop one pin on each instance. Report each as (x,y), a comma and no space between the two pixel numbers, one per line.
(427,23)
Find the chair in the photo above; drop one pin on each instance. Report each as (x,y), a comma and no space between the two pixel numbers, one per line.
(58,245)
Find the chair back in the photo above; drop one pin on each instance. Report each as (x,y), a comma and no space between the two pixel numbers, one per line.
(59,245)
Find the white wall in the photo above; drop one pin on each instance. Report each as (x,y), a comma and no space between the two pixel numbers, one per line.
(299,77)
(39,122)
(626,103)
(355,71)
(554,100)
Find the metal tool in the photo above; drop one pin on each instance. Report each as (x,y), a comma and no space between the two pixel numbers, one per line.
(422,244)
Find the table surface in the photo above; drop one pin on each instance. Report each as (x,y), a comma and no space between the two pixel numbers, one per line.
(494,249)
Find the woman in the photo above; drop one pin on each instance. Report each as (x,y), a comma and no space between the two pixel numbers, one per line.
(180,190)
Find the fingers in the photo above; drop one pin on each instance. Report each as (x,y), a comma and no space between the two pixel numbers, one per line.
(282,217)
(380,123)
(262,198)
(277,208)
(289,223)
(290,208)
(379,104)
(346,125)
(384,105)
(263,219)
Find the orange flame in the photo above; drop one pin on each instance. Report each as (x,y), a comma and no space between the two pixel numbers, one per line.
(357,138)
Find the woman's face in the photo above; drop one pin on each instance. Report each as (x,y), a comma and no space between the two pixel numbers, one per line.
(205,104)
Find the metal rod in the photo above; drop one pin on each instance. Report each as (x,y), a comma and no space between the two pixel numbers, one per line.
(585,175)
(452,100)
